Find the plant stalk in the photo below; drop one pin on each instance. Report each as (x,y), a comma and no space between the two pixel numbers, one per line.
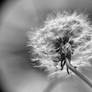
(80,75)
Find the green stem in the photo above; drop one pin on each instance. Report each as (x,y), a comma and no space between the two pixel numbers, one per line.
(80,75)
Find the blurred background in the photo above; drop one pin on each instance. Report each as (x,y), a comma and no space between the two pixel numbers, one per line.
(16,18)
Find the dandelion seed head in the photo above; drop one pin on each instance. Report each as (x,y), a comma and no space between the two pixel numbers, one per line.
(76,26)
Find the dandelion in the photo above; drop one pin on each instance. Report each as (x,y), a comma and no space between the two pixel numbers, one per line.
(63,43)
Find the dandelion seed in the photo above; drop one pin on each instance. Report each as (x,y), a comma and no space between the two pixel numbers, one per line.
(61,38)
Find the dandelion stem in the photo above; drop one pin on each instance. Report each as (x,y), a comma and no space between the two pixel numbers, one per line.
(74,70)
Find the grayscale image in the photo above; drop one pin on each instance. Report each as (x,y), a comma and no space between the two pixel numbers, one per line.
(46,46)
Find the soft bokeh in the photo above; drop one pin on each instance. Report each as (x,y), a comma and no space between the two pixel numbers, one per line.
(16,18)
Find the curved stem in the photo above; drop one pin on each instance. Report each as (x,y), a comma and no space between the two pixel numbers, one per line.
(74,70)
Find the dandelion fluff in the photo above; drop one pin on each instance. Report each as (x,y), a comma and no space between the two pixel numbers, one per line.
(75,26)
